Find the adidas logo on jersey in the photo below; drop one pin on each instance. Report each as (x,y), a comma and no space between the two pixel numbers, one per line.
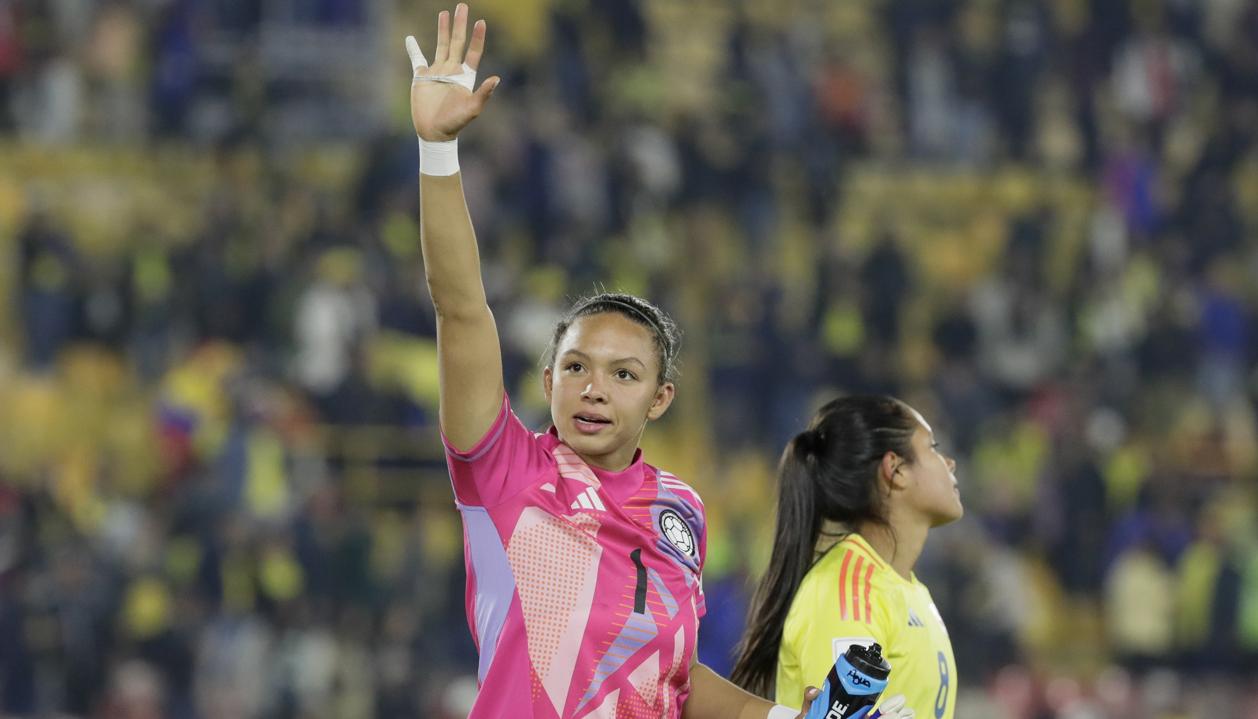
(588,499)
(914,620)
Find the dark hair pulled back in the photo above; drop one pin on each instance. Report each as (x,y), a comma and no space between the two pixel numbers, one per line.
(828,472)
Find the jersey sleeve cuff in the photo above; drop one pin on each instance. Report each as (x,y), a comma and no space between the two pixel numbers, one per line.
(486,442)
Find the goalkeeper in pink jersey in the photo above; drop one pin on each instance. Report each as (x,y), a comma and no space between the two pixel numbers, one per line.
(584,562)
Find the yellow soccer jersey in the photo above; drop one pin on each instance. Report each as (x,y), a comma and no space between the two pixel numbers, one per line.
(851,596)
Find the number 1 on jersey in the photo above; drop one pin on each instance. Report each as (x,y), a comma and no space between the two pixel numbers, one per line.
(639,594)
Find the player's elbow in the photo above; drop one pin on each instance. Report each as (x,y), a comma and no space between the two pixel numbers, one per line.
(454,304)
(454,317)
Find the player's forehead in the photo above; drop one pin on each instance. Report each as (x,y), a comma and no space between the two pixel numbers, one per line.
(922,425)
(609,336)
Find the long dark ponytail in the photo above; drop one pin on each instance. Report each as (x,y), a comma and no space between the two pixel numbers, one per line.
(827,472)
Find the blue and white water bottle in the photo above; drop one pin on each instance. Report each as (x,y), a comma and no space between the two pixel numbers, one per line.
(853,685)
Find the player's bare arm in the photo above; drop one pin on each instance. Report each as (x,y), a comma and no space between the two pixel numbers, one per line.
(469,355)
(713,697)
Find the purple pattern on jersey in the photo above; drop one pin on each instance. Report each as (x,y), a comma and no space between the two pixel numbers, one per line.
(495,581)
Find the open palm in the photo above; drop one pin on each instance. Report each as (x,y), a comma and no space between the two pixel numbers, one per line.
(442,99)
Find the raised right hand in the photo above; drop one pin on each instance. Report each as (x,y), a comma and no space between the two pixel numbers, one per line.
(440,110)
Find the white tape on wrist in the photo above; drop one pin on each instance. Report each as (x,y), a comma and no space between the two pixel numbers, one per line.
(439,158)
(781,712)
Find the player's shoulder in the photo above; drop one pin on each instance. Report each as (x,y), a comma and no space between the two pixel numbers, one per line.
(835,601)
(854,578)
(853,557)
(670,483)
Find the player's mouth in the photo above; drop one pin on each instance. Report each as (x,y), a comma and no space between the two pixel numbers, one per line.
(589,423)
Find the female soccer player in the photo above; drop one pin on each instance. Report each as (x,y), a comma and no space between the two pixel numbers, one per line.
(859,491)
(583,561)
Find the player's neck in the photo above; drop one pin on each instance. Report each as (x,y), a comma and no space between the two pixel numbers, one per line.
(899,544)
(831,533)
(613,462)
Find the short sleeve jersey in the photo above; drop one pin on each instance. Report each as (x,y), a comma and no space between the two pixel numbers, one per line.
(583,585)
(852,596)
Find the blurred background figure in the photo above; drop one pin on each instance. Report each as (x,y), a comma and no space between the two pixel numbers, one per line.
(221,491)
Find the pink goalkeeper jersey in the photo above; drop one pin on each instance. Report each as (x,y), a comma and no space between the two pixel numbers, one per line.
(583,585)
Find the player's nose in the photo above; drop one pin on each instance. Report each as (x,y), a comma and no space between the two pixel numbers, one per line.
(594,392)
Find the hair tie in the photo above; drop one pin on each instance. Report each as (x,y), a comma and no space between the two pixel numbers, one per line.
(808,442)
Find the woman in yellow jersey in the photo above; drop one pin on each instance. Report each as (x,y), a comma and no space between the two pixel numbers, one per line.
(859,491)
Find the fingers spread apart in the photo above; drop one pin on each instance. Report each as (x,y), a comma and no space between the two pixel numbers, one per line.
(450,45)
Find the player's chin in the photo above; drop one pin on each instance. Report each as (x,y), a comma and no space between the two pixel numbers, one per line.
(949,515)
(594,445)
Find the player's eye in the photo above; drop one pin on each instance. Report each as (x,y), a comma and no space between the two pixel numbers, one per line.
(625,374)
(574,367)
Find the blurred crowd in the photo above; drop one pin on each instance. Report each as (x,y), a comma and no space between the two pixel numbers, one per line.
(221,493)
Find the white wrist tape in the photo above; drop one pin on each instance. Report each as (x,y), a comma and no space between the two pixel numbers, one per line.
(439,158)
(781,712)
